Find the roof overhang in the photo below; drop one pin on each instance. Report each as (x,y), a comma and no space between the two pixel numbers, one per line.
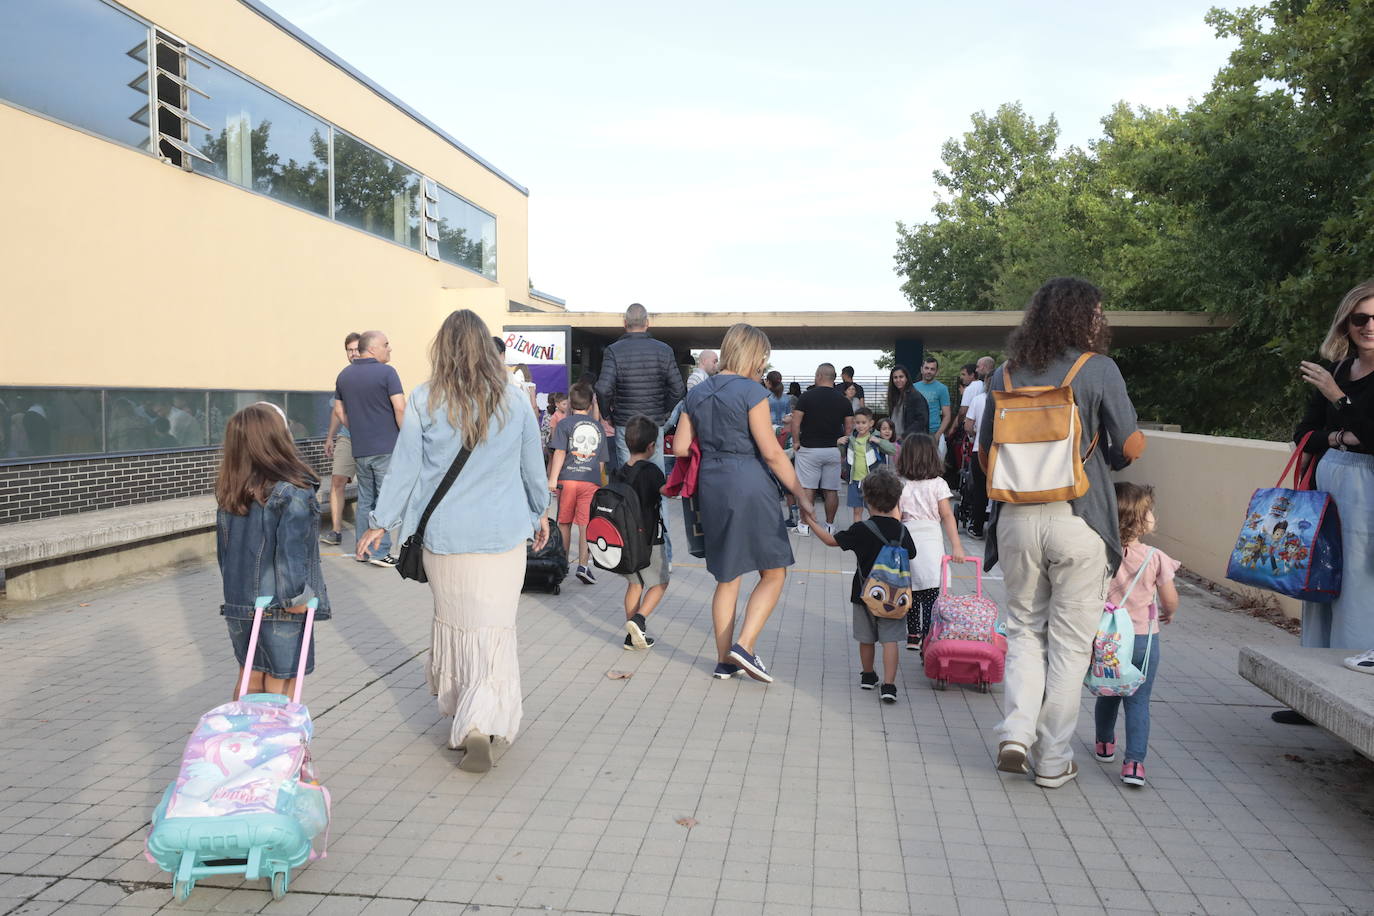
(862,330)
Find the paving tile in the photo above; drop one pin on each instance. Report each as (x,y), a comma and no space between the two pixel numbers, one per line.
(808,798)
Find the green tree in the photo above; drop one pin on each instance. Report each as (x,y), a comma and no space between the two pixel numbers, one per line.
(1256,201)
(952,262)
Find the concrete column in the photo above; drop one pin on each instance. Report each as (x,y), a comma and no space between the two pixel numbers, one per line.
(909,352)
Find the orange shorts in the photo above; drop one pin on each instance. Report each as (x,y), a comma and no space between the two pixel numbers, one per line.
(575,501)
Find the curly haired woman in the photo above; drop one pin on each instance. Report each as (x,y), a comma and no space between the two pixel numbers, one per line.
(1058,557)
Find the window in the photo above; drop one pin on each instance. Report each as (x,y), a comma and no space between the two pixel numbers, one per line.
(467,235)
(256,140)
(79,61)
(87,63)
(143,419)
(308,413)
(224,404)
(38,422)
(374,193)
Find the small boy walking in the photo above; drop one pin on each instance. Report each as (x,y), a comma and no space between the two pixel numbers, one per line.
(864,451)
(882,490)
(644,589)
(579,451)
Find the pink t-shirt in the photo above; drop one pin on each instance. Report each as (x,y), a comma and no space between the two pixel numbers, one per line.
(1161,569)
(921,499)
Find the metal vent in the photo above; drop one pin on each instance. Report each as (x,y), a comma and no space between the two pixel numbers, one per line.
(431,218)
(169,99)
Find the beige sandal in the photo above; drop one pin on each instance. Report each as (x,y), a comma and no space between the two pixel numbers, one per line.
(477,753)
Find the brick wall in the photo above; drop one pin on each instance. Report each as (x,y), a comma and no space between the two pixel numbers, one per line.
(50,488)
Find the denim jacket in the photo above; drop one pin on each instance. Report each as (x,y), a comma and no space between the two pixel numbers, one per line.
(273,550)
(496,501)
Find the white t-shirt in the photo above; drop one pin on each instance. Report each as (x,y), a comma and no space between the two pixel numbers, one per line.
(973,390)
(975,413)
(921,499)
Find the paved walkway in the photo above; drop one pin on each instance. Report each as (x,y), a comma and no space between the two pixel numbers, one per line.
(808,796)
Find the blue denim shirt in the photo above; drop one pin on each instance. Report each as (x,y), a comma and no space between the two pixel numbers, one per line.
(496,501)
(273,550)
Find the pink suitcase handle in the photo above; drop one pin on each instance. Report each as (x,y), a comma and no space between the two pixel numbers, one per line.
(944,573)
(259,607)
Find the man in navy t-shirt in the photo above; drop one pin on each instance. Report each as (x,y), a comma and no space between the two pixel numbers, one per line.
(370,402)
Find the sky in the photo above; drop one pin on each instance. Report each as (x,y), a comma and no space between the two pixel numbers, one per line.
(741,154)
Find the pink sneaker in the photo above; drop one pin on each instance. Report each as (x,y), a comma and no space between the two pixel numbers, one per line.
(1133,773)
(1105,751)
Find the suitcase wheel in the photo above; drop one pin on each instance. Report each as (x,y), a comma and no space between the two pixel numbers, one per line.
(280,883)
(555,590)
(181,890)
(942,683)
(984,687)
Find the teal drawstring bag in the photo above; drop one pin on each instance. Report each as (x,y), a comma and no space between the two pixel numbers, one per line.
(1112,673)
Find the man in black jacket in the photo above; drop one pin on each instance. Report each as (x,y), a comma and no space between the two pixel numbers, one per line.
(639,375)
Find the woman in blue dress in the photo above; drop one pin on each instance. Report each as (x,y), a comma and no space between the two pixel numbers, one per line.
(739,491)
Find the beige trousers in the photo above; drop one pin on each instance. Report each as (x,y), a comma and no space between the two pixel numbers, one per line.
(1055,570)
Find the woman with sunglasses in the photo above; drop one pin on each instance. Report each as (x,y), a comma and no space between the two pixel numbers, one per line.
(1340,417)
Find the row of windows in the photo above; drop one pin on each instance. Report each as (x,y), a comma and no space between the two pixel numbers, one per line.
(89,64)
(61,422)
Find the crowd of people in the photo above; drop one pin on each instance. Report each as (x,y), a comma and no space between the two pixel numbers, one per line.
(765,460)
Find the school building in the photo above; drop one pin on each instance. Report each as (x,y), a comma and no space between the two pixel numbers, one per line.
(202,201)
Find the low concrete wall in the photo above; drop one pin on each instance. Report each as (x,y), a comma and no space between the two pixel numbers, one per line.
(1202,487)
(53,577)
(56,555)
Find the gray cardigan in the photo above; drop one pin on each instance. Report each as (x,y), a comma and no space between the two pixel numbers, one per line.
(1106,410)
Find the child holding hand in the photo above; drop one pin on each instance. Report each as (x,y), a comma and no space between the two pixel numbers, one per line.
(925,513)
(881,491)
(1136,517)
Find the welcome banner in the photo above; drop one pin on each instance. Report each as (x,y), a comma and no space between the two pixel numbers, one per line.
(545,353)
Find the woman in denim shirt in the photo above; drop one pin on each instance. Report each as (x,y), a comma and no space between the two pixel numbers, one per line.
(474,543)
(267,540)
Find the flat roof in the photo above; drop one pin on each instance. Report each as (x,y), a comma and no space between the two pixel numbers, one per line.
(859,330)
(281,22)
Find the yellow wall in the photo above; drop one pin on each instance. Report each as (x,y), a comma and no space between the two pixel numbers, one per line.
(119,270)
(1202,487)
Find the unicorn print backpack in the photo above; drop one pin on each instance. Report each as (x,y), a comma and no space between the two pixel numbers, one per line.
(246,800)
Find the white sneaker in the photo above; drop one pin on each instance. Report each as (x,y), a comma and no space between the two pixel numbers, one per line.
(803,531)
(1362,662)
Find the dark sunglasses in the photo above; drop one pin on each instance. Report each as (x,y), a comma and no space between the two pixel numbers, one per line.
(1359,319)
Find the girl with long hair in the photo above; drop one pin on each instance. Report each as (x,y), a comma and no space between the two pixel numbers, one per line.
(474,543)
(265,494)
(742,469)
(1058,557)
(930,521)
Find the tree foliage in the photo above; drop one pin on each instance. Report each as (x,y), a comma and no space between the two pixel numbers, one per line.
(1254,201)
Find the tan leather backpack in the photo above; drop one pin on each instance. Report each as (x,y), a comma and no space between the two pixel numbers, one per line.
(1035,455)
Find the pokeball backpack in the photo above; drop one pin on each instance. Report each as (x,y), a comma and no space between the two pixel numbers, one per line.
(615,532)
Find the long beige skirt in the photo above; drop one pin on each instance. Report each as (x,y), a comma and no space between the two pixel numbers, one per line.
(473,668)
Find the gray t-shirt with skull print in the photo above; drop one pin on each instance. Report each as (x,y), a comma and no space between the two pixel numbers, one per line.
(581,437)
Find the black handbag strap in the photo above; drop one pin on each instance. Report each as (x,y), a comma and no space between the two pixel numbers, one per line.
(449,477)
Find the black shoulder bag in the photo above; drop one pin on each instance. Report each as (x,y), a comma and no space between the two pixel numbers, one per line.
(410,562)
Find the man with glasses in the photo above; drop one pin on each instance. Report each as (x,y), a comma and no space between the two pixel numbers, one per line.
(340,451)
(371,402)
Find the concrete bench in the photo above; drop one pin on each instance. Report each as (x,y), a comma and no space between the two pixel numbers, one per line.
(1313,682)
(55,555)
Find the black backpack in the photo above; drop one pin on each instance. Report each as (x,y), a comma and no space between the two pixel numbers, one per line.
(616,533)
